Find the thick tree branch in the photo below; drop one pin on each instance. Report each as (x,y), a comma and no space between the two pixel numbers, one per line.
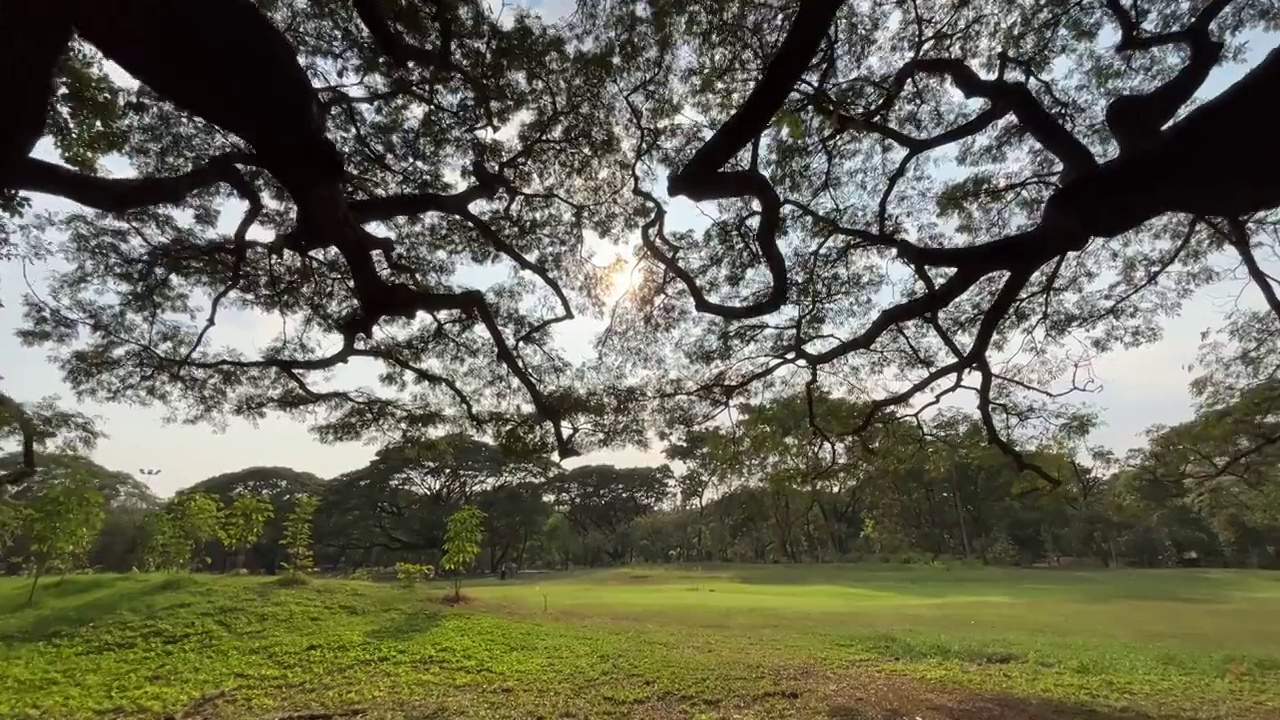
(812,21)
(122,194)
(1008,96)
(703,178)
(377,19)
(33,36)
(1137,119)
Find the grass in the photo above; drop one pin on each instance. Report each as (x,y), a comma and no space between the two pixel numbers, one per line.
(854,642)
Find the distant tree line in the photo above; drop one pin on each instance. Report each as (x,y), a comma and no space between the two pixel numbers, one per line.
(788,481)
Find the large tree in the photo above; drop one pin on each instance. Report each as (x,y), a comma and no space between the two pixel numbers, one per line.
(945,193)
(340,166)
(931,199)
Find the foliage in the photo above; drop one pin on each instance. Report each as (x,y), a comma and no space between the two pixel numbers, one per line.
(297,534)
(1059,645)
(462,537)
(601,501)
(902,192)
(241,524)
(61,521)
(198,518)
(395,508)
(413,572)
(167,548)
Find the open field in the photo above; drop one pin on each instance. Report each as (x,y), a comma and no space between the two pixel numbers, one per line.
(852,642)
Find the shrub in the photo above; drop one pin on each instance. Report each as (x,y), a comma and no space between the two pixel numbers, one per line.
(1001,551)
(413,572)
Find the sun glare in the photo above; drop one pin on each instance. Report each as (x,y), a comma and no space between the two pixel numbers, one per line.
(622,275)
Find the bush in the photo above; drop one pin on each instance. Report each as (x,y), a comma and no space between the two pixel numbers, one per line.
(413,572)
(1001,551)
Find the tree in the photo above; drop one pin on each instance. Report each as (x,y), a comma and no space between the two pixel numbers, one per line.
(62,520)
(197,516)
(40,426)
(922,201)
(322,169)
(514,516)
(462,539)
(282,486)
(166,548)
(297,534)
(395,508)
(242,523)
(602,500)
(1078,192)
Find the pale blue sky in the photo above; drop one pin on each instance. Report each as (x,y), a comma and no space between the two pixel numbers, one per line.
(1140,387)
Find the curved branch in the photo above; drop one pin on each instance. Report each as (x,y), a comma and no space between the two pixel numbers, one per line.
(240,253)
(1013,97)
(1136,119)
(122,194)
(812,21)
(765,236)
(702,178)
(1237,235)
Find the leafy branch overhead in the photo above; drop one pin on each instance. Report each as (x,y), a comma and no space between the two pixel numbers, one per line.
(905,201)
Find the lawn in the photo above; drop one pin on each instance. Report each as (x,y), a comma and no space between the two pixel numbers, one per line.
(866,642)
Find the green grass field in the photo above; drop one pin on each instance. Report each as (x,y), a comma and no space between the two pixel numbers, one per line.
(853,642)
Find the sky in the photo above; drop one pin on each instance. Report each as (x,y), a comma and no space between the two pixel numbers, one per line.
(1138,387)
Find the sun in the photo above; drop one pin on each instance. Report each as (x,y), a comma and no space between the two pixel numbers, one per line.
(623,275)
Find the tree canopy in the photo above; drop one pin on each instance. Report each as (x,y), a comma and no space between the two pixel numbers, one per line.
(906,202)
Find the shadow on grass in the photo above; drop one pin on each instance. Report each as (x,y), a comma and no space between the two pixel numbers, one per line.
(985,707)
(65,606)
(408,625)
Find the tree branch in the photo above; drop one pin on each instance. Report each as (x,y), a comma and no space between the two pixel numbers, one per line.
(1237,235)
(122,194)
(812,21)
(1136,119)
(1009,96)
(375,17)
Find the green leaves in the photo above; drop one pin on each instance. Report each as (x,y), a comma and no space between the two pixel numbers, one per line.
(791,122)
(60,522)
(297,534)
(241,523)
(462,536)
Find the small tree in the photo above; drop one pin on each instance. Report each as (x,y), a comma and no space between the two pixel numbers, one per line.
(197,517)
(243,522)
(62,521)
(167,549)
(462,535)
(297,534)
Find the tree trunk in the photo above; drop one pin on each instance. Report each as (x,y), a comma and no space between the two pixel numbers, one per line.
(524,544)
(955,496)
(35,578)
